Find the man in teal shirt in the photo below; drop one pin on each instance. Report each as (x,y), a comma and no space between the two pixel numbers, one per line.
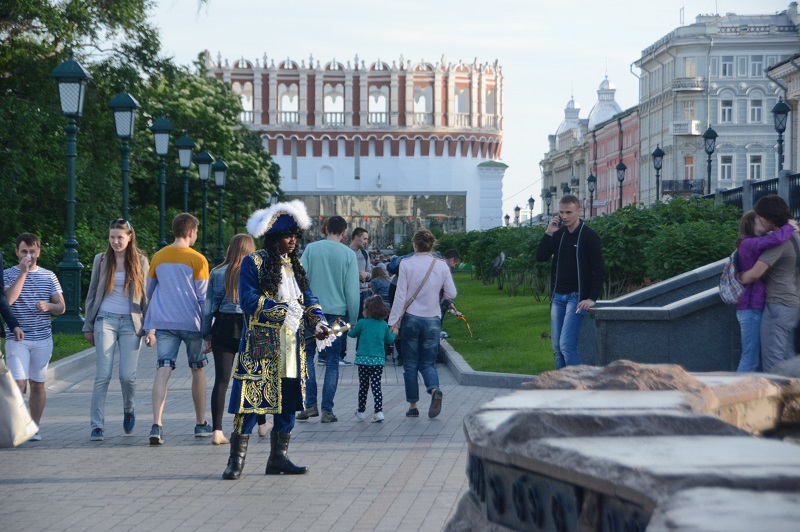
(332,274)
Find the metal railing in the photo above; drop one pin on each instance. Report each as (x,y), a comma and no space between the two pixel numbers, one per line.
(764,188)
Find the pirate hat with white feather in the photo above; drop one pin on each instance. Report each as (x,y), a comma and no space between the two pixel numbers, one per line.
(278,218)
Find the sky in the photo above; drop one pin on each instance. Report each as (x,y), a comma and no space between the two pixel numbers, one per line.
(548,51)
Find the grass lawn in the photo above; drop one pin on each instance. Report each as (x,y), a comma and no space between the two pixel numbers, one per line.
(506,331)
(64,345)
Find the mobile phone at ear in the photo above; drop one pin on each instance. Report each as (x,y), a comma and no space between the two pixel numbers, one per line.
(560,222)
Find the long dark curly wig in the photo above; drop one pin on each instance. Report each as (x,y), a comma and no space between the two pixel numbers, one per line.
(269,279)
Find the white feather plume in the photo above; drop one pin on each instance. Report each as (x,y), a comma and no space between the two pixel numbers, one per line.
(261,220)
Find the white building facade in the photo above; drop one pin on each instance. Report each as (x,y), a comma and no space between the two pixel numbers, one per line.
(713,73)
(391,147)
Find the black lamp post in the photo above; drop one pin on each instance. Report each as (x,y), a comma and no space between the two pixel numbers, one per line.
(71,78)
(779,112)
(220,170)
(565,189)
(507,219)
(516,215)
(161,129)
(709,145)
(204,161)
(185,145)
(658,161)
(124,107)
(531,201)
(591,184)
(548,198)
(621,177)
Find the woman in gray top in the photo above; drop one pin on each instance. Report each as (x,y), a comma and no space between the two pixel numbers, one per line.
(115,309)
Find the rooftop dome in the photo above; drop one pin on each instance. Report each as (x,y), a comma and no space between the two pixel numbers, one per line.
(606,107)
(571,121)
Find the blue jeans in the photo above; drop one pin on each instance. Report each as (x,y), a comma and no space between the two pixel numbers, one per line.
(565,325)
(110,331)
(331,355)
(420,340)
(750,324)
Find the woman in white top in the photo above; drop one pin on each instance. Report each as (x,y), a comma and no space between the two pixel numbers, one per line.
(419,310)
(115,309)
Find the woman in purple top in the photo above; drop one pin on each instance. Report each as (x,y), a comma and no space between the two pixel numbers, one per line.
(751,302)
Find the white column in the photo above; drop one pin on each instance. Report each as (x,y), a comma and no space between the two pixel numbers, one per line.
(302,94)
(273,96)
(318,98)
(409,98)
(490,208)
(437,96)
(348,98)
(393,100)
(257,103)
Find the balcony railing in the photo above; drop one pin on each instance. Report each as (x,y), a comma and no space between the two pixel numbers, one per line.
(682,186)
(423,119)
(460,120)
(333,119)
(688,84)
(288,117)
(378,119)
(246,117)
(489,121)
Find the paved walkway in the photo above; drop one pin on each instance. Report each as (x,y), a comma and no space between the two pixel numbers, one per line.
(402,474)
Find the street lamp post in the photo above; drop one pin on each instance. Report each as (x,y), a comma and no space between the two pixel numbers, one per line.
(591,184)
(531,201)
(516,215)
(185,145)
(621,177)
(124,107)
(507,218)
(548,198)
(709,145)
(220,170)
(658,161)
(71,78)
(204,161)
(565,189)
(779,112)
(161,129)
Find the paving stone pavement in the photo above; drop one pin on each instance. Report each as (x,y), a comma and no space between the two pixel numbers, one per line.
(402,474)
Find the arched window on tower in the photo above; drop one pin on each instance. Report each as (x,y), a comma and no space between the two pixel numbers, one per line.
(378,105)
(288,104)
(333,105)
(489,119)
(423,105)
(461,98)
(245,93)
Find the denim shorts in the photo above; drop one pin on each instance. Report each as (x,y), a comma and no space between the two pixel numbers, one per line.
(169,342)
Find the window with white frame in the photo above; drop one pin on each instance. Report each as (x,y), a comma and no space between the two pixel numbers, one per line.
(688,110)
(727,66)
(757,66)
(688,168)
(690,67)
(726,111)
(726,167)
(756,111)
(755,167)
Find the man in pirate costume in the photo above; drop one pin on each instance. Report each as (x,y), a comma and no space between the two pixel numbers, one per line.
(278,306)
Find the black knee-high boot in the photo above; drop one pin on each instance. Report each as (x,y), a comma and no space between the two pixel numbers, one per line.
(236,459)
(279,463)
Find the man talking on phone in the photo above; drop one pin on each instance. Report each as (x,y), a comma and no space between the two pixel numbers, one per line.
(576,277)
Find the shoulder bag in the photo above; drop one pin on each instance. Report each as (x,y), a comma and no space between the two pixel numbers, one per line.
(729,286)
(16,425)
(419,288)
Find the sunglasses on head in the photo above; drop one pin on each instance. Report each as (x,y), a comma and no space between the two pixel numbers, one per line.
(122,222)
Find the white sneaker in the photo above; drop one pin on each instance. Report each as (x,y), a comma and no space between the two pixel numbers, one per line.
(361,416)
(36,437)
(377,417)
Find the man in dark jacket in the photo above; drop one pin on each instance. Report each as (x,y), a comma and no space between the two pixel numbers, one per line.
(576,277)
